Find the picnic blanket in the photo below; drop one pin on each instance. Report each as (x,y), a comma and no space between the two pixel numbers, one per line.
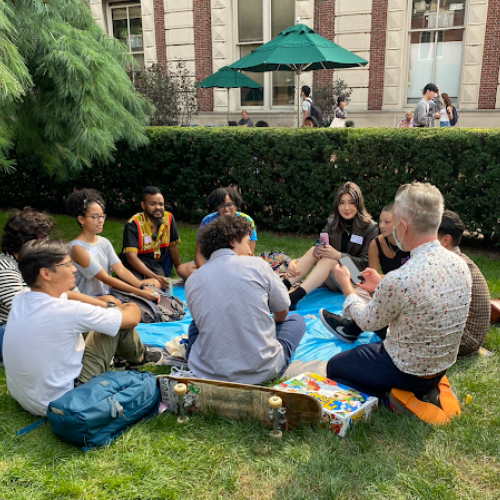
(316,344)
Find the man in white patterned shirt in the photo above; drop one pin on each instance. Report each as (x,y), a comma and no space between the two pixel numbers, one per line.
(425,303)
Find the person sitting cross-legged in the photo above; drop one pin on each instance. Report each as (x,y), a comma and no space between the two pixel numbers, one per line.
(94,256)
(150,241)
(425,303)
(22,226)
(70,341)
(233,337)
(478,320)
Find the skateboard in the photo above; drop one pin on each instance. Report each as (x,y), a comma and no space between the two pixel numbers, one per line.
(272,407)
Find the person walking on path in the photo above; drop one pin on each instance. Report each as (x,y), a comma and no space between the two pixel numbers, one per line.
(427,109)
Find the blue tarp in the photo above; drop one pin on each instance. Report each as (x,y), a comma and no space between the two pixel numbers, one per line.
(317,344)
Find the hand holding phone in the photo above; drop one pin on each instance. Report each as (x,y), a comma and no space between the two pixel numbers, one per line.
(356,276)
(318,243)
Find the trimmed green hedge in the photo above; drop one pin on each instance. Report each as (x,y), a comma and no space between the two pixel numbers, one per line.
(286,177)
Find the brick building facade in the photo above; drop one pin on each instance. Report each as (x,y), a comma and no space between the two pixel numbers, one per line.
(405,42)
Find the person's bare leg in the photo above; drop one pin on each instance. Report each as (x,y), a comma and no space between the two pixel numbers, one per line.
(304,266)
(317,277)
(319,274)
(186,270)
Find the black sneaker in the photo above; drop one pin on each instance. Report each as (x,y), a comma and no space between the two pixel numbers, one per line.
(345,330)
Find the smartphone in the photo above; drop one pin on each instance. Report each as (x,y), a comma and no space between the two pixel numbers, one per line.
(353,269)
(324,238)
(318,243)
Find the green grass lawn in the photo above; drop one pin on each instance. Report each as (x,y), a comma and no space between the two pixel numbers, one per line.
(388,457)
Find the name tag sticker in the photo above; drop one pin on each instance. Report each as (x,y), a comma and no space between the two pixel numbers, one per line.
(94,251)
(357,239)
(147,239)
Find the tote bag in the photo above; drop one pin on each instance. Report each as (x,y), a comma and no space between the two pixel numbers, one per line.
(337,123)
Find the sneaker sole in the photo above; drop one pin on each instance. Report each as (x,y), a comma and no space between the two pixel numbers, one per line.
(348,339)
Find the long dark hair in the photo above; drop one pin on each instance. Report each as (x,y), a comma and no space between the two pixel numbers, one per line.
(362,215)
(446,99)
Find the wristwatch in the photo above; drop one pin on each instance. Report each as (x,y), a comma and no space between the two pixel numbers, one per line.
(110,304)
(142,286)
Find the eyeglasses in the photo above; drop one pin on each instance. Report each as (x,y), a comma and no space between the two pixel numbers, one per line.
(65,264)
(97,218)
(227,205)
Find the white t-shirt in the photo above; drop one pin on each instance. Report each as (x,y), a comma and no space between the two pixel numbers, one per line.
(43,345)
(102,255)
(306,106)
(443,115)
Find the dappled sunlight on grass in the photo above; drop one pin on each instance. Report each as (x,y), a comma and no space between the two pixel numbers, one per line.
(388,457)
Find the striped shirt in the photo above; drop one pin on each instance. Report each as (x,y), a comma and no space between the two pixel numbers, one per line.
(11,282)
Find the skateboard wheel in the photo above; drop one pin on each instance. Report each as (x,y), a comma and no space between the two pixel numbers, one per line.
(274,402)
(180,389)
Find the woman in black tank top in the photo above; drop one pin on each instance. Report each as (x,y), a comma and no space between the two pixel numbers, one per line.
(383,250)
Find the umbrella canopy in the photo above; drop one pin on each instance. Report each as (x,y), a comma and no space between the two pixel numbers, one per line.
(298,48)
(227,78)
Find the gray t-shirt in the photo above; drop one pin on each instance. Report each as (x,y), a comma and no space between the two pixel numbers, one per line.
(230,299)
(102,256)
(247,122)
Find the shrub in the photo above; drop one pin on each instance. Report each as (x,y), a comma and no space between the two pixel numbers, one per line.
(171,91)
(327,97)
(286,177)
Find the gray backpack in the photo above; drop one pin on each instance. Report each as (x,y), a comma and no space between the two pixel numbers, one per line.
(169,309)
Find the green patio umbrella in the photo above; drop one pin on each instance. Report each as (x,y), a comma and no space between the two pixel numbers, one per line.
(227,78)
(298,49)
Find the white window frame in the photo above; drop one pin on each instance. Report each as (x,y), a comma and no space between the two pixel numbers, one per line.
(268,75)
(110,6)
(437,30)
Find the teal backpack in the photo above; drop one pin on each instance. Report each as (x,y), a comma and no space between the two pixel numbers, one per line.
(96,413)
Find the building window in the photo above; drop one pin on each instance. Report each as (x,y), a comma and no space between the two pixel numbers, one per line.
(436,44)
(258,22)
(125,23)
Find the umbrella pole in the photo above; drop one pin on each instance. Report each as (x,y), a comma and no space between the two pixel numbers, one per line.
(228,107)
(299,121)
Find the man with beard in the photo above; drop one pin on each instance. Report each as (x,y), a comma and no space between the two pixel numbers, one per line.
(150,241)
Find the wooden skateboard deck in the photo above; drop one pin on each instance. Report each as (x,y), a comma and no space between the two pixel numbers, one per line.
(239,401)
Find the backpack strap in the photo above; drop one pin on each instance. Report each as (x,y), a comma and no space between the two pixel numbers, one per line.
(31,427)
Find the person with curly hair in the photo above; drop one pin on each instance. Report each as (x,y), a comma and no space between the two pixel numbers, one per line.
(223,201)
(94,256)
(150,241)
(21,226)
(232,336)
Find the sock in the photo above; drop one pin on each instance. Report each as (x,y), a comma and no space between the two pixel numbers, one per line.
(287,283)
(297,294)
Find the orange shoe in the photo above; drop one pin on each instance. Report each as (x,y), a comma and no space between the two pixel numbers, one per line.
(406,403)
(448,400)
